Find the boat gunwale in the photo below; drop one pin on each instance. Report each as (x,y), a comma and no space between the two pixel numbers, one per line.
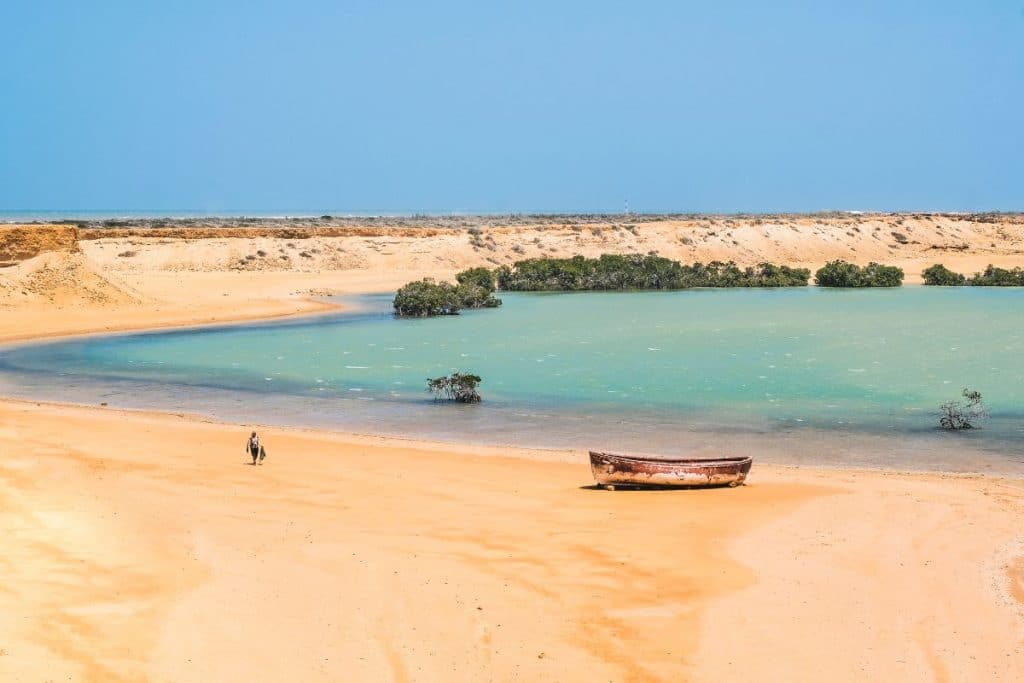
(730,461)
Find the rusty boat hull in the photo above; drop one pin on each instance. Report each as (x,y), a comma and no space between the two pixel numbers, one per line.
(611,470)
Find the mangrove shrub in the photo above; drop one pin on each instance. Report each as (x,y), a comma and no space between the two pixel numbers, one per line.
(479,277)
(458,386)
(998,277)
(940,275)
(427,297)
(843,274)
(638,272)
(956,415)
(991,277)
(476,288)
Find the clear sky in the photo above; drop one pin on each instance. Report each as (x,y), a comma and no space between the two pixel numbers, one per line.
(307,106)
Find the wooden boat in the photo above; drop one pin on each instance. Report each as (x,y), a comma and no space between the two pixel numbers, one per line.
(611,470)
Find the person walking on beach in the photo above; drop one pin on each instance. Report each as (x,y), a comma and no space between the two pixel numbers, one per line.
(254,447)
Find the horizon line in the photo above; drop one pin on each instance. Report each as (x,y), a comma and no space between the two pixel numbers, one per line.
(92,215)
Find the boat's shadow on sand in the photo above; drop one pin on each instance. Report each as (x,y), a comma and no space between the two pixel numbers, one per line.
(620,488)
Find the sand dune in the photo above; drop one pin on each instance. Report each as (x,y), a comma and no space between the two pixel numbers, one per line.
(61,279)
(912,241)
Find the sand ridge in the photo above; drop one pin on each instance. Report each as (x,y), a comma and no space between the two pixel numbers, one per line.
(914,241)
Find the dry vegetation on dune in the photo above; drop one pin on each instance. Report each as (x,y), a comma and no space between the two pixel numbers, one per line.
(455,242)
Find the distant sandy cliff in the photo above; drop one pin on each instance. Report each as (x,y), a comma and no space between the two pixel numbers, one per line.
(18,243)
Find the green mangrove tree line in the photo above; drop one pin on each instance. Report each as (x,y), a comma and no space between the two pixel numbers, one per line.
(475,288)
(990,277)
(636,271)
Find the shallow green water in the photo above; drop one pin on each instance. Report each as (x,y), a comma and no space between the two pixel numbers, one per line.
(874,362)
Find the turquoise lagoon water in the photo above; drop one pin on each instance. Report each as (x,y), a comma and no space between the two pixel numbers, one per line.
(797,375)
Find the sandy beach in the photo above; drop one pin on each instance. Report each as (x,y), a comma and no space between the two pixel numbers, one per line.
(142,546)
(146,547)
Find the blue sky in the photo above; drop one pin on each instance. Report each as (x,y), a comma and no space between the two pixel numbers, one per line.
(309,107)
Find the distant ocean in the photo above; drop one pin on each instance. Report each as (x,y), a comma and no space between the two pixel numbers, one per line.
(28,216)
(46,216)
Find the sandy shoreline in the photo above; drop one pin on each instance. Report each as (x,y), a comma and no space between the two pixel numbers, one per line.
(141,546)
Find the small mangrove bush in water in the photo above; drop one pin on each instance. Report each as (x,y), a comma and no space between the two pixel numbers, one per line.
(475,289)
(458,386)
(957,415)
(637,271)
(844,274)
(991,277)
(941,276)
(426,297)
